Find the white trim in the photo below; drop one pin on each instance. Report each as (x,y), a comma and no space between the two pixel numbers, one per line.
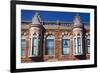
(34,36)
(76,46)
(75,52)
(79,44)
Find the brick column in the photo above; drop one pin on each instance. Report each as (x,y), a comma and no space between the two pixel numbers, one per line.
(71,43)
(57,44)
(27,47)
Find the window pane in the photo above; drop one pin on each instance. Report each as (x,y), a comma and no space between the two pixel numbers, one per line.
(79,45)
(75,42)
(50,46)
(78,41)
(75,45)
(65,46)
(88,45)
(23,46)
(35,47)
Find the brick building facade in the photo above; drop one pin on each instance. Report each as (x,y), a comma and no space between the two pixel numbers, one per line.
(54,41)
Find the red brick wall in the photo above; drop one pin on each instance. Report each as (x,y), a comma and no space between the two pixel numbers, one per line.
(58,54)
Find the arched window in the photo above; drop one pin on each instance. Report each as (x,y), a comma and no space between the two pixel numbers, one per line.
(23,46)
(65,45)
(49,45)
(35,41)
(77,44)
(88,44)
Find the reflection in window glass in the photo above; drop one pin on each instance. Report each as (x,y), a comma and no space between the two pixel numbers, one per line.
(65,46)
(34,46)
(79,45)
(49,47)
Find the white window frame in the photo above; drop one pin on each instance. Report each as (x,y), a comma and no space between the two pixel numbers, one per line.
(30,51)
(79,44)
(75,49)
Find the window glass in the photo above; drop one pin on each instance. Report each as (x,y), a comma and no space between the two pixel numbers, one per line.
(49,46)
(34,46)
(79,45)
(65,46)
(75,42)
(88,45)
(23,46)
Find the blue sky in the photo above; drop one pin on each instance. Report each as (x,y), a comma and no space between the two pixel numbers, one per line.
(26,15)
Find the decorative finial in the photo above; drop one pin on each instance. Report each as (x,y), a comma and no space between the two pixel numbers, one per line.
(36,18)
(77,20)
